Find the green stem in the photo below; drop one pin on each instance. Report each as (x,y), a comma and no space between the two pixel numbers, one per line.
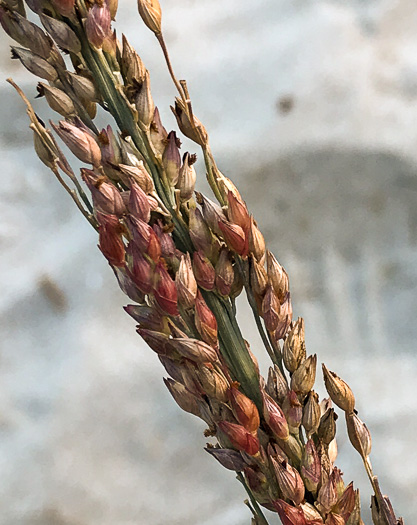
(252,303)
(111,60)
(244,270)
(233,348)
(258,512)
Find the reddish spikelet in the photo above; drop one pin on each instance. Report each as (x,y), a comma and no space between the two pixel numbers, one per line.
(258,483)
(311,466)
(110,150)
(289,481)
(285,318)
(165,291)
(244,409)
(240,438)
(144,103)
(334,519)
(294,351)
(110,241)
(228,458)
(302,380)
(237,211)
(213,383)
(145,316)
(293,410)
(276,386)
(289,515)
(311,414)
(277,276)
(165,239)
(106,197)
(173,368)
(140,232)
(172,158)
(139,174)
(186,283)
(158,342)
(82,144)
(212,212)
(187,177)
(359,435)
(193,130)
(98,24)
(195,350)
(154,247)
(138,203)
(258,279)
(141,270)
(256,242)
(64,7)
(338,479)
(184,398)
(225,274)
(199,232)
(270,309)
(275,418)
(127,285)
(327,496)
(235,237)
(203,271)
(158,133)
(346,503)
(205,321)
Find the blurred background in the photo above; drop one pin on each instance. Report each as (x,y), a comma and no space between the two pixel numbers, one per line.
(312,110)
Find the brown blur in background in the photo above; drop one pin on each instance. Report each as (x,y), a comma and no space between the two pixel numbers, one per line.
(312,110)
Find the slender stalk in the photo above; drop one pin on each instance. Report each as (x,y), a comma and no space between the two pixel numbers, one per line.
(387,513)
(244,270)
(160,38)
(80,190)
(36,127)
(277,351)
(74,197)
(183,92)
(256,509)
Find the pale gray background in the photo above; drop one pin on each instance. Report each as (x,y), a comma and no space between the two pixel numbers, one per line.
(88,434)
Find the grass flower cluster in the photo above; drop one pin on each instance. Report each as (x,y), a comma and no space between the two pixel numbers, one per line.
(183,258)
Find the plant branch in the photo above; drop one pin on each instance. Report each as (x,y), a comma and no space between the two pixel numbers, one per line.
(256,508)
